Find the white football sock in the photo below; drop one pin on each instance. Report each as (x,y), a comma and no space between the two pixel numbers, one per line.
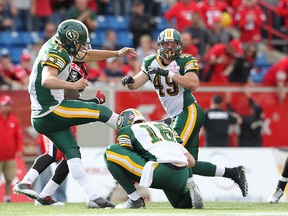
(30,176)
(49,189)
(134,196)
(112,122)
(79,175)
(219,171)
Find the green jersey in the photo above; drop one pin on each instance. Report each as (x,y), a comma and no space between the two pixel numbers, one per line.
(174,98)
(44,100)
(154,141)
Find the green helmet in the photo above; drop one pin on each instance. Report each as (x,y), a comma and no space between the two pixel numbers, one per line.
(72,32)
(129,117)
(169,35)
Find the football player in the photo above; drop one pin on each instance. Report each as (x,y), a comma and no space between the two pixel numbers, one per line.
(52,154)
(174,77)
(147,153)
(52,114)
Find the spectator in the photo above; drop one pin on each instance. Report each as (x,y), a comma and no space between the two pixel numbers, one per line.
(218,33)
(145,48)
(277,76)
(82,13)
(22,20)
(49,30)
(95,72)
(282,11)
(216,124)
(242,66)
(218,58)
(7,70)
(251,126)
(122,7)
(213,8)
(10,141)
(132,66)
(110,42)
(181,13)
(189,48)
(101,7)
(6,19)
(35,47)
(60,9)
(23,70)
(199,34)
(140,23)
(41,12)
(249,18)
(153,7)
(113,70)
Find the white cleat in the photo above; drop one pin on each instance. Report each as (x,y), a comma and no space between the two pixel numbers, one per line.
(195,194)
(275,197)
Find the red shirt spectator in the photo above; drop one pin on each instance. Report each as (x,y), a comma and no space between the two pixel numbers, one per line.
(188,46)
(23,70)
(282,10)
(218,58)
(11,131)
(277,75)
(182,13)
(249,19)
(213,8)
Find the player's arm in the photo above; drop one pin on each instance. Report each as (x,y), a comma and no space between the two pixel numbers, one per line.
(189,81)
(96,55)
(51,81)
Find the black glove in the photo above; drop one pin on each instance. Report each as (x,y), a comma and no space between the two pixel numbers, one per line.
(127,80)
(160,71)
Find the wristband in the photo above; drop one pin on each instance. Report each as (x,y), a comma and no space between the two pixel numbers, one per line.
(170,74)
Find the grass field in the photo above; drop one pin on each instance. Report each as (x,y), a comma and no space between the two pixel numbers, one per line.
(153,209)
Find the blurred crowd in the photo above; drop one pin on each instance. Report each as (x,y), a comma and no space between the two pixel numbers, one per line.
(222,34)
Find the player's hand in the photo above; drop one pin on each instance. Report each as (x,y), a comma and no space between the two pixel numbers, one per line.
(127,80)
(159,71)
(100,97)
(80,85)
(126,51)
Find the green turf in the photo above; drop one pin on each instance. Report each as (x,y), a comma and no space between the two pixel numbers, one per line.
(153,209)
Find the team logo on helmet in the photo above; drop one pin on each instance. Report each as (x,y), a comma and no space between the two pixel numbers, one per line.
(72,35)
(119,121)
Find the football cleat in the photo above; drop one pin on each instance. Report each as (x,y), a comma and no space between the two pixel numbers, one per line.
(99,203)
(240,179)
(130,204)
(26,189)
(47,201)
(276,196)
(195,194)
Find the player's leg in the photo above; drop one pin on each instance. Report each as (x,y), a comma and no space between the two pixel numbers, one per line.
(74,112)
(65,141)
(188,125)
(25,185)
(126,167)
(282,182)
(60,174)
(175,189)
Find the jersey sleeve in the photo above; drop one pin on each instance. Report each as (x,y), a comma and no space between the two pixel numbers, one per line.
(123,138)
(146,63)
(55,57)
(189,63)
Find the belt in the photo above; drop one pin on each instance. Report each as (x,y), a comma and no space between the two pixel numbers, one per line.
(174,167)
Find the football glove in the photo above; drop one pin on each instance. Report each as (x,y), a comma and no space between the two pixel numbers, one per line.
(100,97)
(78,70)
(127,80)
(159,71)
